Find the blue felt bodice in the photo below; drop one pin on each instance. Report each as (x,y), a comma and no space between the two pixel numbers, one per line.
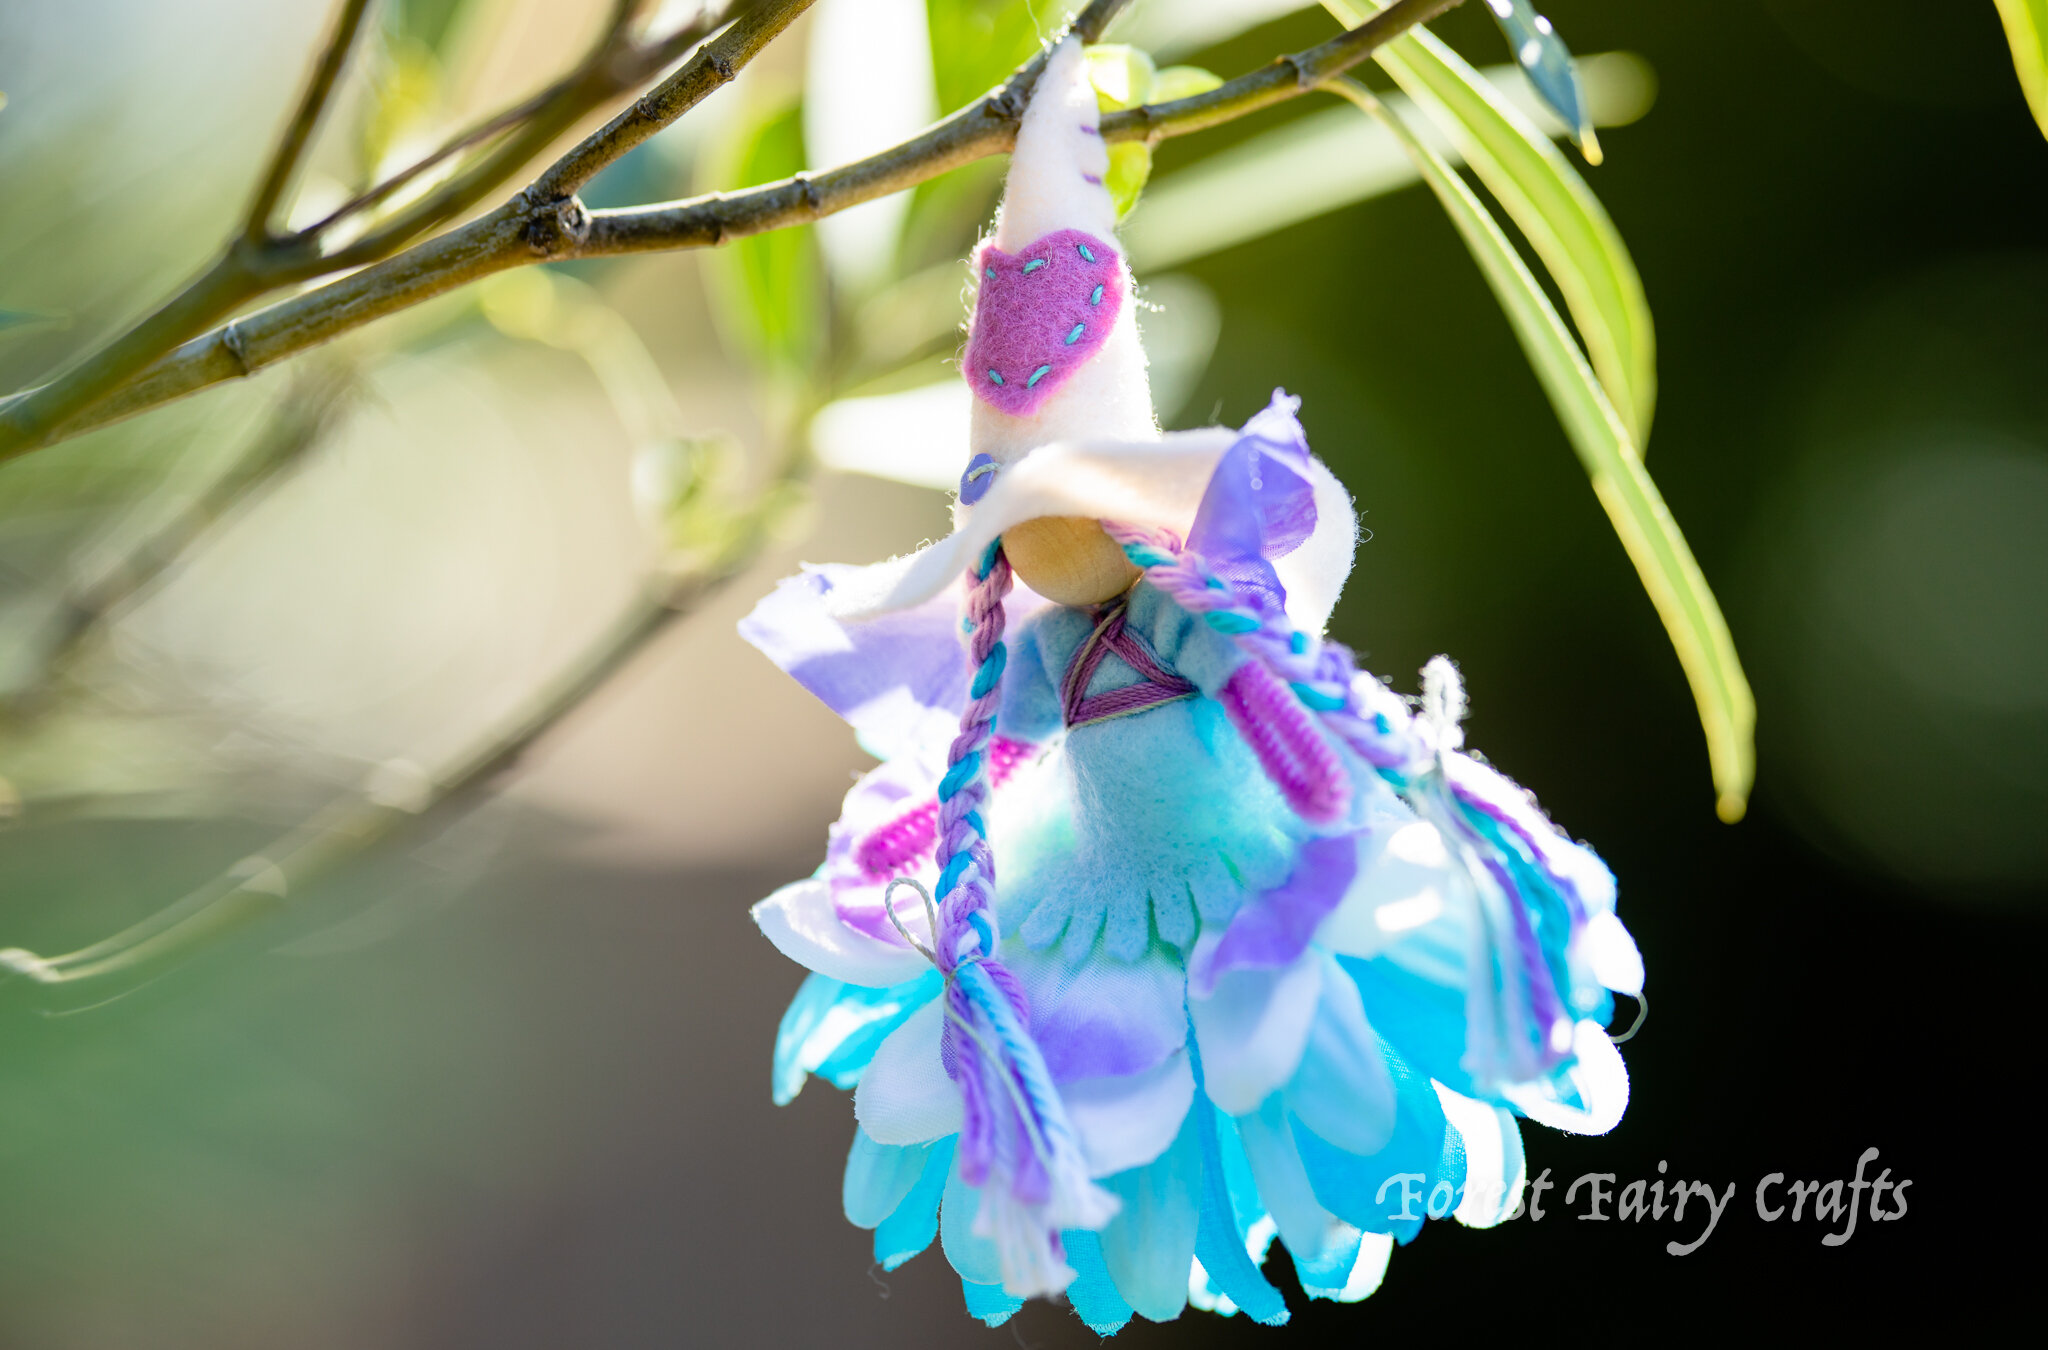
(1134,826)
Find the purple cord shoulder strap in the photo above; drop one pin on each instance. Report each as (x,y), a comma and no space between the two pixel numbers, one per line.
(1156,684)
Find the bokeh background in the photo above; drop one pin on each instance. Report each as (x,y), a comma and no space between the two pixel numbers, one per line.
(505,1081)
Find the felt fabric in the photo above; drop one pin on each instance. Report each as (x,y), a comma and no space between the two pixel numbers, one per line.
(1059,150)
(1161,481)
(1040,315)
(1055,184)
(1118,847)
(1243,1023)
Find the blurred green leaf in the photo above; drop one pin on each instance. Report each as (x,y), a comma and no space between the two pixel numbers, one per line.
(405,96)
(432,22)
(14,321)
(976,44)
(2026,29)
(1183,82)
(1547,63)
(768,291)
(1669,573)
(1122,75)
(1548,201)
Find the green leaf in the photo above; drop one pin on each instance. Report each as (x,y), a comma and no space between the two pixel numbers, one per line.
(1122,75)
(1177,82)
(768,290)
(2026,30)
(976,44)
(1597,433)
(1548,201)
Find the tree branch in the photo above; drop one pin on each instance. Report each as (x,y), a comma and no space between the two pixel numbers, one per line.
(291,147)
(259,886)
(527,229)
(247,269)
(305,415)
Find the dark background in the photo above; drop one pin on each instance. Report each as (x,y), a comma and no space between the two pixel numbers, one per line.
(542,1118)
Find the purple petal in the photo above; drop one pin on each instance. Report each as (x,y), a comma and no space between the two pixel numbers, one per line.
(900,680)
(1101,1018)
(1273,930)
(1259,504)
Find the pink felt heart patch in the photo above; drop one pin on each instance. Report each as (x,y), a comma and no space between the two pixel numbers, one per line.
(1041,313)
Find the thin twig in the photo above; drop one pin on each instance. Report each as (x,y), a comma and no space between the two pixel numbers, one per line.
(298,132)
(523,232)
(261,885)
(303,418)
(611,68)
(246,270)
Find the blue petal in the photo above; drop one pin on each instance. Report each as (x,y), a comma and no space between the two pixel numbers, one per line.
(1093,1293)
(974,1258)
(878,1176)
(1150,1243)
(914,1223)
(1284,1187)
(1219,1236)
(1392,1190)
(1416,1017)
(989,1302)
(1325,1274)
(831,1029)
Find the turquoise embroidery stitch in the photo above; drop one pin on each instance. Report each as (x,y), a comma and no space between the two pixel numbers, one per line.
(1036,376)
(995,377)
(1085,253)
(1096,298)
(1075,336)
(1033,266)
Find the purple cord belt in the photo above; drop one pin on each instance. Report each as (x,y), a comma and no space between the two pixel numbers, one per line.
(1156,684)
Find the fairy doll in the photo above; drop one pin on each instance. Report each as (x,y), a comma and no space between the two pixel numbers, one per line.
(1161,930)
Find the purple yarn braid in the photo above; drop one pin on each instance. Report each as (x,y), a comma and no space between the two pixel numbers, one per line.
(1014,1127)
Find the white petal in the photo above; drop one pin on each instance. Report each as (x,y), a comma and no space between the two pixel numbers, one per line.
(1600,1078)
(1495,1169)
(1405,881)
(1252,1030)
(1343,1090)
(1373,1251)
(1314,573)
(1128,1121)
(800,921)
(905,1096)
(1612,954)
